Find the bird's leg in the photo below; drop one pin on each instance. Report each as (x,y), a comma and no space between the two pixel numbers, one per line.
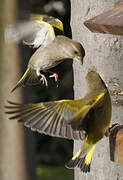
(43,78)
(55,75)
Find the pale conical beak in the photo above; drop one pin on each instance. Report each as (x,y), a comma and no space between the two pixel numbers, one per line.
(80,59)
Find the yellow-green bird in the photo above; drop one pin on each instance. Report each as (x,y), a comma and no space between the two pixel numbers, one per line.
(39,30)
(88,118)
(53,49)
(46,57)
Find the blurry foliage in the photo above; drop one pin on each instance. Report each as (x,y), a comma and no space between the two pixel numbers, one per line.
(49,150)
(51,173)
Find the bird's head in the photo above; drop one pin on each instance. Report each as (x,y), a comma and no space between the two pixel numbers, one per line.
(94,81)
(70,49)
(78,51)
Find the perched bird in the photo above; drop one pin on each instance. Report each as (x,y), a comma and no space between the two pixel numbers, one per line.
(40,30)
(60,49)
(86,118)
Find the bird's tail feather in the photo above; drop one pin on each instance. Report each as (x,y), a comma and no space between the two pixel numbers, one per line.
(80,161)
(29,78)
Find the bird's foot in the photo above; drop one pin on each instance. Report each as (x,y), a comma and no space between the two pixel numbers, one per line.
(43,79)
(55,75)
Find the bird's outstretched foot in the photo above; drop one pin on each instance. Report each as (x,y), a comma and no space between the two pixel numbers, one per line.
(55,75)
(43,79)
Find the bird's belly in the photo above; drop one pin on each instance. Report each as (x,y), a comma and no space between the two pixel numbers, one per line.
(43,65)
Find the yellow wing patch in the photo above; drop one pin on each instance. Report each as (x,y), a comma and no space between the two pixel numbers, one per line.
(71,105)
(85,108)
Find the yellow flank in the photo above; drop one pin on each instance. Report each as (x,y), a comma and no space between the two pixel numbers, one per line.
(77,155)
(89,155)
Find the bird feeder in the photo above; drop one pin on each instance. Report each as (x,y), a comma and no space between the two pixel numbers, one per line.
(109,22)
(116,145)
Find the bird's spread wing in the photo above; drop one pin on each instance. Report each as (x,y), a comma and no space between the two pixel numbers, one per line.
(77,121)
(36,32)
(32,33)
(48,118)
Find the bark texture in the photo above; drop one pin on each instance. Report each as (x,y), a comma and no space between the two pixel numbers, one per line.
(104,54)
(12,152)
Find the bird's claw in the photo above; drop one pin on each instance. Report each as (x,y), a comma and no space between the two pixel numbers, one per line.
(55,75)
(43,79)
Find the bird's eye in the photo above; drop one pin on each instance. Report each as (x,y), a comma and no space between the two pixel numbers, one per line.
(75,52)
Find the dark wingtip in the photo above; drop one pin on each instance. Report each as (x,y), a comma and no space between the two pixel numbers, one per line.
(72,163)
(79,162)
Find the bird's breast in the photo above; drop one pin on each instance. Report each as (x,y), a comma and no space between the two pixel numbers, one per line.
(43,63)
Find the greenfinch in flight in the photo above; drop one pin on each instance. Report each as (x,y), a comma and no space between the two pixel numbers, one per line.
(83,119)
(53,49)
(47,57)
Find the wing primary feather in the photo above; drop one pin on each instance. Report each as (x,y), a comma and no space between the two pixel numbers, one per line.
(45,124)
(22,110)
(24,116)
(44,120)
(50,127)
(33,120)
(59,110)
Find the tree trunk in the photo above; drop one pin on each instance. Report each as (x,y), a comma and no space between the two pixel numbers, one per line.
(13,164)
(103,54)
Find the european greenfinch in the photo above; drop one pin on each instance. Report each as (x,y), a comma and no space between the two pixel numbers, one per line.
(46,57)
(38,31)
(88,118)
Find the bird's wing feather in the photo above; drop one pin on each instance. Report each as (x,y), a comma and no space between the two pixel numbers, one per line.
(30,77)
(48,118)
(32,33)
(52,118)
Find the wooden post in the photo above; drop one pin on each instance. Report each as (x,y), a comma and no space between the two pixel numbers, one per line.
(13,162)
